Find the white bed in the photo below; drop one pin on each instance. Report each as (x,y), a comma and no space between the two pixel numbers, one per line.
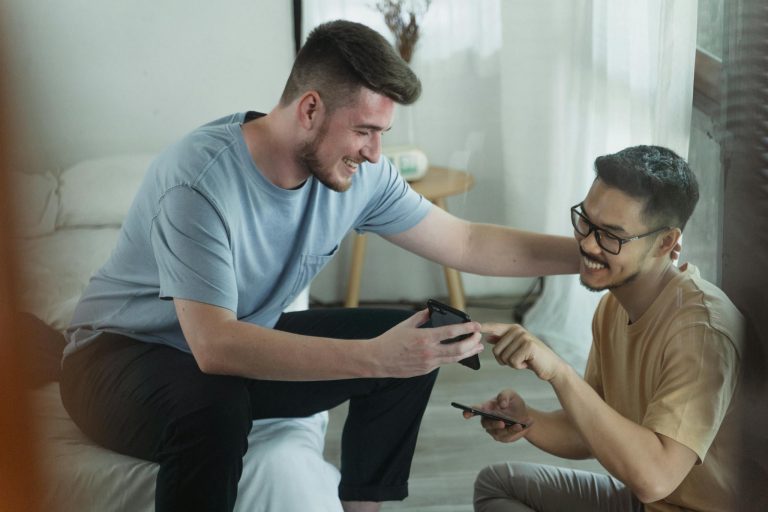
(69,224)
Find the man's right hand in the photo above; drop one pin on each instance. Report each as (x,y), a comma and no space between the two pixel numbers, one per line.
(407,350)
(510,404)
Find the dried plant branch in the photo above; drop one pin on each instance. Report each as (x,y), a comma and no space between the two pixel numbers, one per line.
(405,28)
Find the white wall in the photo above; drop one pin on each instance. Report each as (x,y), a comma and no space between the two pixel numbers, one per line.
(91,78)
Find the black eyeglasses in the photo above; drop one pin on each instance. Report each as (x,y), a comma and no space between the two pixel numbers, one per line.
(605,239)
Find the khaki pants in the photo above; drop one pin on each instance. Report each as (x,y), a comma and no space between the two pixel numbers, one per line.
(518,487)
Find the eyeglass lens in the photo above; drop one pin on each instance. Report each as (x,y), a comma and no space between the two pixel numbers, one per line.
(584,228)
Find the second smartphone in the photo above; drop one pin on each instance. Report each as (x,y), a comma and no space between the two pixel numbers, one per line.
(494,416)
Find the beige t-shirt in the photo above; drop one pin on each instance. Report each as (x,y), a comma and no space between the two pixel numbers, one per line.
(674,371)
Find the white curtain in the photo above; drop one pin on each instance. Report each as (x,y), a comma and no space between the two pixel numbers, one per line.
(526,93)
(582,79)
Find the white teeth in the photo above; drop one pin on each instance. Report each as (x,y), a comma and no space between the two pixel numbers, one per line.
(591,264)
(350,163)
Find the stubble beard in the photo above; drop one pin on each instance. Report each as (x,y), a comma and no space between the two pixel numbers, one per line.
(610,286)
(307,157)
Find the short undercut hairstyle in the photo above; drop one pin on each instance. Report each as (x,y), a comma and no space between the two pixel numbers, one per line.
(339,57)
(658,177)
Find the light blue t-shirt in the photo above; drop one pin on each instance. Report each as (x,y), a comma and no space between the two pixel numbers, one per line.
(207,226)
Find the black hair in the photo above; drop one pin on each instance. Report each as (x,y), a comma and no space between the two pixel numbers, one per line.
(655,175)
(341,56)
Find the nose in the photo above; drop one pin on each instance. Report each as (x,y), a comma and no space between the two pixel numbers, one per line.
(372,149)
(588,243)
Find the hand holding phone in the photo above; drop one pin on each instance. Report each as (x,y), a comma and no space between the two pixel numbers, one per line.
(442,314)
(490,415)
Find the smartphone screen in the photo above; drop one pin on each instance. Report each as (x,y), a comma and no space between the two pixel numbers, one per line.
(487,414)
(442,314)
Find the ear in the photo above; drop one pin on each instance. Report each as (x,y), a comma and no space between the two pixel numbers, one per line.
(667,241)
(310,110)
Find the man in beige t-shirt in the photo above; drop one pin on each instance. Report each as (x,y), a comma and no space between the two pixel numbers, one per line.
(656,406)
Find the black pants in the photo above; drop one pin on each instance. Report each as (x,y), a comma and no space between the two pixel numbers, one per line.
(153,402)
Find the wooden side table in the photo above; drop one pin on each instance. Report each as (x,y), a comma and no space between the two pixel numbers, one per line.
(435,186)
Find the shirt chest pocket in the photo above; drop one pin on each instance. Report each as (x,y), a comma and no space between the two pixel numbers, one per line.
(309,266)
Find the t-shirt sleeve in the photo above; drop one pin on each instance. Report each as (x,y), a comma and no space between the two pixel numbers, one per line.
(395,206)
(695,387)
(191,247)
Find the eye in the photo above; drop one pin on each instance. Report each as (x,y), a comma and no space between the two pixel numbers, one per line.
(611,236)
(362,133)
(582,225)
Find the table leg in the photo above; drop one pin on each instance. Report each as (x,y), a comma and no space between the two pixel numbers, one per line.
(455,288)
(356,271)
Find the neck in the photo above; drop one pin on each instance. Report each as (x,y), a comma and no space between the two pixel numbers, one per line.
(272,149)
(636,297)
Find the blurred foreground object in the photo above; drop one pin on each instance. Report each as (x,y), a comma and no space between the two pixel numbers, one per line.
(745,239)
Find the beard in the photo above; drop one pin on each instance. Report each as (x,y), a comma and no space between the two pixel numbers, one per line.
(307,156)
(610,286)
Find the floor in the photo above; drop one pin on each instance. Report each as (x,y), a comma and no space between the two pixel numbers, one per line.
(451,450)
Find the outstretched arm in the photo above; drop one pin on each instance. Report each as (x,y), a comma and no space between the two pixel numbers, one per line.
(488,249)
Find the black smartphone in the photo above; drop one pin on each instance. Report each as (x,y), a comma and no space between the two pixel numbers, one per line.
(481,412)
(442,314)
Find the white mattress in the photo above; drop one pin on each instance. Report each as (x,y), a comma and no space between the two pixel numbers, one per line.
(81,475)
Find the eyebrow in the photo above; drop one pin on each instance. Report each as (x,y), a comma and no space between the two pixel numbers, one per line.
(607,227)
(372,127)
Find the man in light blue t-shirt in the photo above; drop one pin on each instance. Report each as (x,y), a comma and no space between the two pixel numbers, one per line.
(179,341)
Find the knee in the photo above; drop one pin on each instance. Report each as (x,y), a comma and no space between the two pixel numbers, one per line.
(487,483)
(499,481)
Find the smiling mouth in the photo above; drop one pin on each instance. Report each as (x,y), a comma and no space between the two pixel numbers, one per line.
(591,263)
(351,164)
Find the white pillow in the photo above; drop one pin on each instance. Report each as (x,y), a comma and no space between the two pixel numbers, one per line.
(56,268)
(35,203)
(99,192)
